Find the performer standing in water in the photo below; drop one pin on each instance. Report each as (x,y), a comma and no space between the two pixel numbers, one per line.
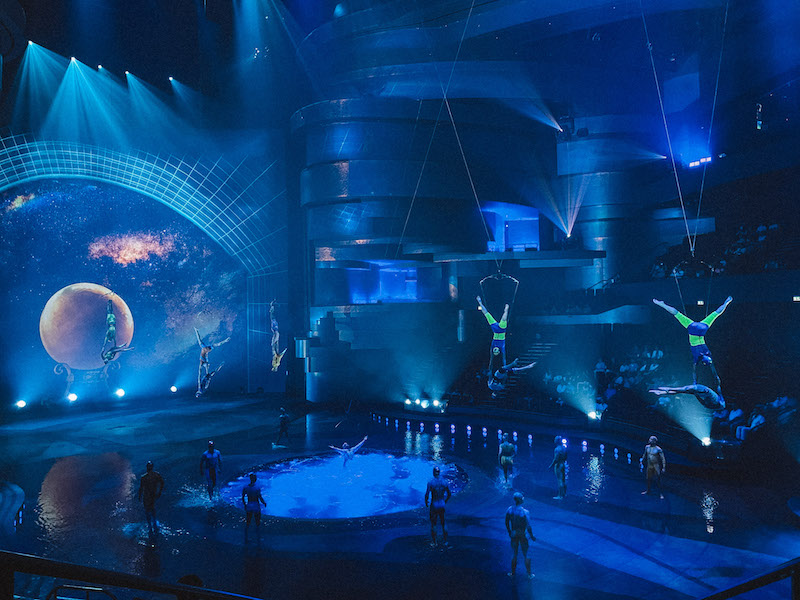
(277,355)
(697,331)
(439,493)
(505,455)
(204,372)
(347,452)
(559,466)
(707,397)
(251,497)
(150,487)
(210,467)
(653,459)
(518,524)
(498,347)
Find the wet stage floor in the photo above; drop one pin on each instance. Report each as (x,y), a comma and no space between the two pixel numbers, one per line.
(338,532)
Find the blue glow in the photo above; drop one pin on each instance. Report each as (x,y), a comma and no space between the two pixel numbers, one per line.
(72,397)
(21,404)
(173,389)
(119,393)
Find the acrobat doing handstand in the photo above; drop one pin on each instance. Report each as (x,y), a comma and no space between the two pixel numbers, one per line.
(498,347)
(204,372)
(697,331)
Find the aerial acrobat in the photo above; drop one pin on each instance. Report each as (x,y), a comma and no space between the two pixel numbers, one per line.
(697,331)
(277,355)
(498,347)
(204,378)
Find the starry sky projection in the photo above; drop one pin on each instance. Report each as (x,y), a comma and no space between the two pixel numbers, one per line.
(174,278)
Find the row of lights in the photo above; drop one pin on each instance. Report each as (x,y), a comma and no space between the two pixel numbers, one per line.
(706,441)
(424,403)
(72,396)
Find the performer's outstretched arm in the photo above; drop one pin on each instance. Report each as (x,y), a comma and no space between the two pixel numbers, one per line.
(225,341)
(357,447)
(199,341)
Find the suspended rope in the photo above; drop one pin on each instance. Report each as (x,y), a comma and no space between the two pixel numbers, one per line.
(675,276)
(499,277)
(711,123)
(435,124)
(666,129)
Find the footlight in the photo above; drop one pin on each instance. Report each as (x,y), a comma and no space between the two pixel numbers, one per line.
(452,428)
(706,441)
(485,432)
(408,400)
(593,414)
(173,389)
(20,404)
(119,393)
(436,403)
(425,404)
(72,397)
(436,427)
(416,401)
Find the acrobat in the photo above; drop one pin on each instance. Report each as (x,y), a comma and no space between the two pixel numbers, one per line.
(707,397)
(204,372)
(111,328)
(498,347)
(202,387)
(277,355)
(697,331)
(347,452)
(498,380)
(111,353)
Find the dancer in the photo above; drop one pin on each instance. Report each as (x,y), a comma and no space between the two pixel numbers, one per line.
(347,452)
(498,347)
(277,355)
(284,426)
(707,397)
(505,455)
(438,491)
(210,467)
(697,331)
(653,458)
(251,496)
(151,485)
(518,524)
(111,327)
(559,466)
(498,380)
(111,353)
(204,367)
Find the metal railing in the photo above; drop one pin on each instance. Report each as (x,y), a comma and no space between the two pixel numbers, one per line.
(787,570)
(12,563)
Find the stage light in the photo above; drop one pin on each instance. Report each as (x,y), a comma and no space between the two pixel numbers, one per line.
(387,421)
(421,426)
(602,447)
(416,401)
(72,397)
(564,442)
(171,78)
(173,389)
(408,401)
(795,298)
(706,441)
(408,425)
(499,433)
(99,67)
(127,72)
(584,443)
(530,437)
(701,161)
(72,59)
(485,432)
(592,414)
(436,403)
(436,427)
(21,404)
(514,435)
(30,42)
(701,303)
(452,428)
(425,404)
(120,392)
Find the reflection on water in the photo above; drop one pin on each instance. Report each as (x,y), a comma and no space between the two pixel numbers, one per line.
(595,478)
(371,484)
(708,506)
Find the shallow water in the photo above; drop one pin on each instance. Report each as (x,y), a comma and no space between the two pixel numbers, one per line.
(321,487)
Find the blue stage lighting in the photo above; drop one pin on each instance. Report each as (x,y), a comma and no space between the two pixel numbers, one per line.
(530,437)
(584,443)
(99,67)
(127,73)
(425,404)
(21,404)
(436,403)
(408,401)
(701,161)
(452,428)
(514,435)
(173,389)
(387,421)
(701,303)
(416,401)
(171,78)
(408,425)
(72,397)
(485,432)
(706,441)
(30,43)
(72,59)
(592,414)
(120,392)
(422,426)
(795,298)
(436,427)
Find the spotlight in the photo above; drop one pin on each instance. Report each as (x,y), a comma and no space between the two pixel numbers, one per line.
(120,392)
(425,404)
(530,437)
(436,403)
(408,425)
(408,401)
(72,59)
(436,427)
(30,42)
(416,401)
(795,298)
(421,426)
(72,397)
(99,67)
(21,404)
(127,72)
(593,414)
(584,443)
(706,441)
(701,303)
(485,432)
(171,78)
(173,389)
(564,442)
(452,428)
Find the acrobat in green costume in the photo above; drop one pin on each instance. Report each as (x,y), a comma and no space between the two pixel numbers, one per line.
(697,331)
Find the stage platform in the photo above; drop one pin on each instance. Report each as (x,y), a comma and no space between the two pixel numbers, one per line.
(80,474)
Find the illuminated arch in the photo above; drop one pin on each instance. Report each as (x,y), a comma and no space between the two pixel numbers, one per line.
(229,203)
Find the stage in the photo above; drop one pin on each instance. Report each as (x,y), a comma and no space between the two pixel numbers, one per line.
(605,540)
